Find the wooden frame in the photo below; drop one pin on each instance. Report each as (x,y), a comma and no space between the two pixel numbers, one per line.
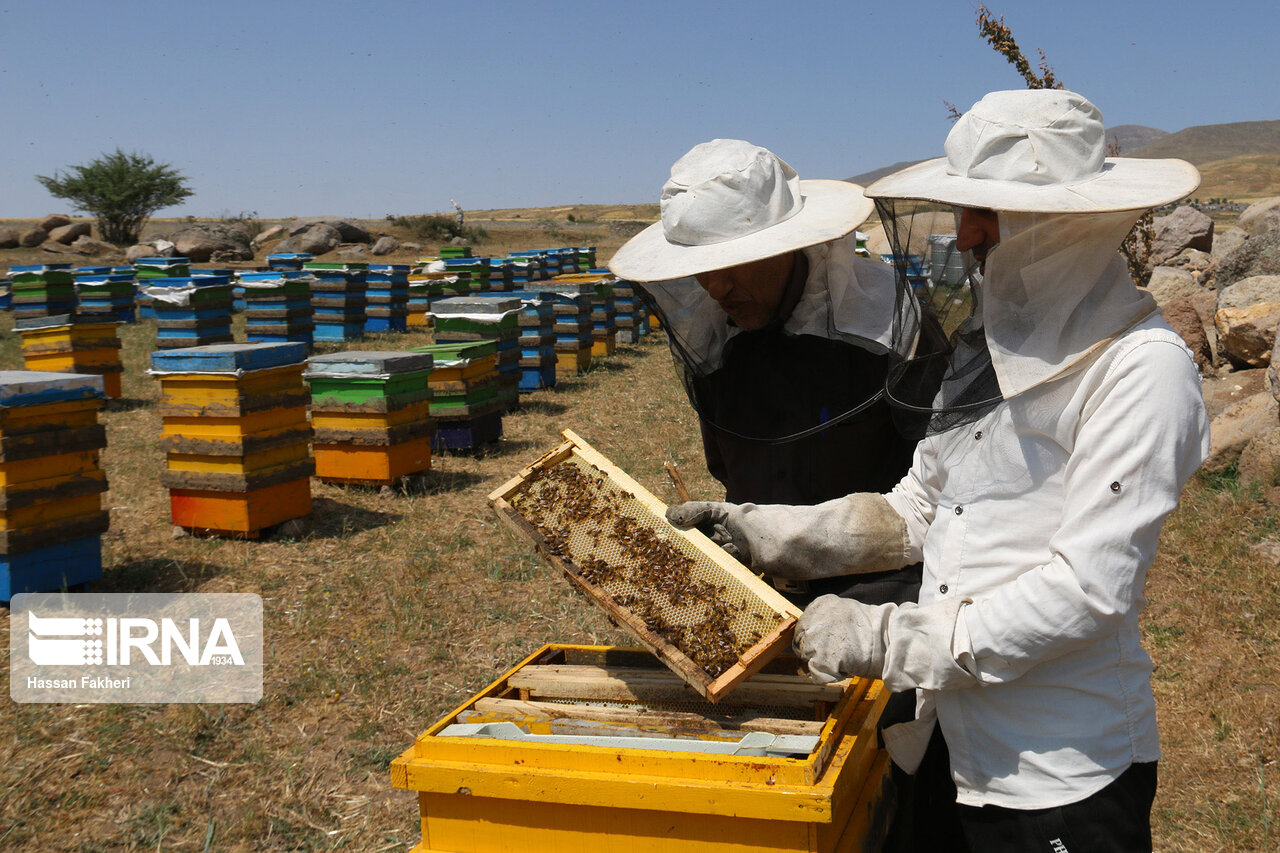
(713,688)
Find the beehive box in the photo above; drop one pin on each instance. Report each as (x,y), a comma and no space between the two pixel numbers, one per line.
(597,748)
(702,612)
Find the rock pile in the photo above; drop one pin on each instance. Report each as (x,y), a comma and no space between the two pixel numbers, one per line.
(1221,292)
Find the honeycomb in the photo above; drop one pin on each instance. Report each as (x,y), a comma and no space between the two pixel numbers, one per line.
(619,547)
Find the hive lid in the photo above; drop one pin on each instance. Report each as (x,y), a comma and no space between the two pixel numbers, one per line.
(225,358)
(475,305)
(34,387)
(370,362)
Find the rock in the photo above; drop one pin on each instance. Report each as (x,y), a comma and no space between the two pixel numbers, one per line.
(1168,283)
(1228,241)
(1230,431)
(57,248)
(1185,228)
(1267,549)
(1260,216)
(164,248)
(1206,304)
(458,241)
(1260,460)
(1181,314)
(318,239)
(32,237)
(1259,254)
(1247,335)
(288,244)
(67,234)
(273,233)
(1191,260)
(54,220)
(1249,291)
(1273,370)
(9,237)
(385,246)
(141,250)
(411,247)
(348,232)
(86,245)
(230,241)
(1221,393)
(354,251)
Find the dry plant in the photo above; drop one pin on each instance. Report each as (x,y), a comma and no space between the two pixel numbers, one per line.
(1000,37)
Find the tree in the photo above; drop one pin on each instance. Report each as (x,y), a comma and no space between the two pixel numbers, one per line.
(121,190)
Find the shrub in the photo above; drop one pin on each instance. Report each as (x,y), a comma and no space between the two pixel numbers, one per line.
(121,190)
(440,228)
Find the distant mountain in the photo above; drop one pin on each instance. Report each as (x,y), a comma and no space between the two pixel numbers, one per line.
(1248,177)
(1209,142)
(1132,136)
(869,177)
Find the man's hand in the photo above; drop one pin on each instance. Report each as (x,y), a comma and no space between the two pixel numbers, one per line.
(719,521)
(839,637)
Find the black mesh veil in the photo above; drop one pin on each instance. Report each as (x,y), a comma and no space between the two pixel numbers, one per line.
(692,367)
(936,285)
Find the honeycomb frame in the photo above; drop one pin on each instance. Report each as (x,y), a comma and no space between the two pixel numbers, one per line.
(754,602)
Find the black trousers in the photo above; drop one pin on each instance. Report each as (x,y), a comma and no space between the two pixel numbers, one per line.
(1116,819)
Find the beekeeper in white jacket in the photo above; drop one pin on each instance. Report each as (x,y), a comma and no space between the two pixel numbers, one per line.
(1069,421)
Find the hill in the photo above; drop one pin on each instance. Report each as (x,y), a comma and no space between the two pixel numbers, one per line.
(1131,136)
(1208,143)
(1245,178)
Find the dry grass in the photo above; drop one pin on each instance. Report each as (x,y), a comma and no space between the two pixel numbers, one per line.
(394,608)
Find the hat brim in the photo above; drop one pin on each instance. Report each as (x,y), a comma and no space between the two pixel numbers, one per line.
(1125,184)
(831,210)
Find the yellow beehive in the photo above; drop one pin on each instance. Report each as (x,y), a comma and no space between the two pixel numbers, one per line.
(611,773)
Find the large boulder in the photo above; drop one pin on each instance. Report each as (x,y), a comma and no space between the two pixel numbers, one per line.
(1185,228)
(9,237)
(1259,254)
(275,232)
(318,239)
(348,231)
(68,234)
(54,220)
(1263,215)
(1246,336)
(1250,291)
(32,237)
(1232,430)
(1273,371)
(141,250)
(1167,284)
(86,245)
(385,246)
(1260,460)
(1226,242)
(1182,315)
(201,242)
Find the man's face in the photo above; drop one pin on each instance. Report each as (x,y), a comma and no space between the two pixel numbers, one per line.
(750,293)
(979,232)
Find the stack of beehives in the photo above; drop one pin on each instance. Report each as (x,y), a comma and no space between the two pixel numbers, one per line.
(388,295)
(40,290)
(520,270)
(478,268)
(502,275)
(464,394)
(190,311)
(370,415)
(455,252)
(537,261)
(73,343)
(587,259)
(466,319)
(537,342)
(236,433)
(338,299)
(633,316)
(148,268)
(51,483)
(574,338)
(106,292)
(277,306)
(604,317)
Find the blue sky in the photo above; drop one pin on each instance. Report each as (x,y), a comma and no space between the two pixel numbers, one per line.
(362,109)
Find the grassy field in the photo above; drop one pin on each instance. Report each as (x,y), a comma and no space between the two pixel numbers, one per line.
(395,607)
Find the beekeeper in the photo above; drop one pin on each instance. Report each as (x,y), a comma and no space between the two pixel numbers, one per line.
(781,333)
(1036,505)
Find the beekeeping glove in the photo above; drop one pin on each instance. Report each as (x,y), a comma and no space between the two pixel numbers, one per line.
(851,535)
(906,645)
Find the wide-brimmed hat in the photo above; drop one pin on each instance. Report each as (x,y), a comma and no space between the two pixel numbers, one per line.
(729,202)
(1037,151)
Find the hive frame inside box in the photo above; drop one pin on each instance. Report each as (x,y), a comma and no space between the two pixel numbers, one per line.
(713,688)
(484,793)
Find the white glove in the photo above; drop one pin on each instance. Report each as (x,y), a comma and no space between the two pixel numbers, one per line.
(906,645)
(855,534)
